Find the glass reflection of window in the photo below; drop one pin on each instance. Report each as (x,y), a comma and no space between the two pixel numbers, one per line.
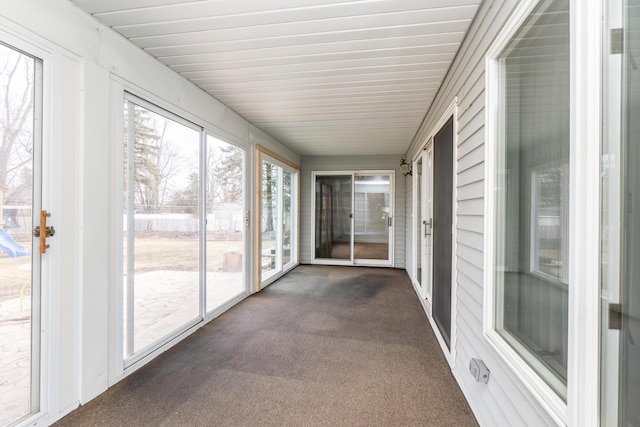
(549,224)
(531,225)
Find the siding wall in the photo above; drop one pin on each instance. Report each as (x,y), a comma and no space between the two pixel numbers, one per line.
(350,163)
(504,400)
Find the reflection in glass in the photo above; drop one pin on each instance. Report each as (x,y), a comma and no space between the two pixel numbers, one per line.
(533,195)
(333,217)
(372,216)
(620,228)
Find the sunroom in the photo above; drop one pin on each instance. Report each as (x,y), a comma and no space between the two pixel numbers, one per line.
(163,161)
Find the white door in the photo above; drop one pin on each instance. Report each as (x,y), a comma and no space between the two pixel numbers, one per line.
(423,184)
(20,251)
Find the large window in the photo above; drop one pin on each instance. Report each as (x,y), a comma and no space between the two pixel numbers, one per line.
(530,225)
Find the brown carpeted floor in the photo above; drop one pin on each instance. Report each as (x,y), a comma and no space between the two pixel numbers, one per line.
(323,346)
(360,250)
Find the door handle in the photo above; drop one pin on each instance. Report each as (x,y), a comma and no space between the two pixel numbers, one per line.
(389,221)
(49,231)
(427,224)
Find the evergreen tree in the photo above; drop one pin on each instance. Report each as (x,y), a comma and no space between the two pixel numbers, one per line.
(225,165)
(156,159)
(186,200)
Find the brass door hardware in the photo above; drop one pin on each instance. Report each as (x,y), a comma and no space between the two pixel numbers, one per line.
(49,231)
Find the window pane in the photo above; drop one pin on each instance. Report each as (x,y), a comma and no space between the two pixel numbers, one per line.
(161,292)
(371,217)
(269,220)
(225,222)
(19,361)
(533,202)
(333,217)
(419,226)
(287,222)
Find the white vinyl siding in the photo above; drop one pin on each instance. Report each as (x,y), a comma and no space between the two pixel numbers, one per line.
(504,400)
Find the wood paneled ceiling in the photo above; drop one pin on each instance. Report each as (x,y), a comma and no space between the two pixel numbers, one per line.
(323,77)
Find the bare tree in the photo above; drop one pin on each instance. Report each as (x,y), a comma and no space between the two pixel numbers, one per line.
(16,124)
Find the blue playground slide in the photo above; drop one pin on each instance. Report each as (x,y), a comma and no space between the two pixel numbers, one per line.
(8,245)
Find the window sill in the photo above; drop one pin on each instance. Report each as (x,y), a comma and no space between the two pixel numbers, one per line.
(555,405)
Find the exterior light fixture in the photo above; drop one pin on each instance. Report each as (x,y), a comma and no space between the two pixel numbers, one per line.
(405,168)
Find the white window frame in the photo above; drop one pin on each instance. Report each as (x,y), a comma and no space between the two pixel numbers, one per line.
(284,166)
(583,375)
(120,366)
(390,262)
(131,359)
(58,136)
(494,109)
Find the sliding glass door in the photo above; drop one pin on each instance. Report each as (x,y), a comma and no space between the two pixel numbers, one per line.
(226,222)
(352,218)
(334,218)
(278,218)
(161,231)
(184,227)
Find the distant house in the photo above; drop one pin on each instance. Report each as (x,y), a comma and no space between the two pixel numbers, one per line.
(226,217)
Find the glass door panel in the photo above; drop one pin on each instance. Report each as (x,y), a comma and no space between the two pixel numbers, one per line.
(372,217)
(418,226)
(19,262)
(427,220)
(225,236)
(423,182)
(287,218)
(161,227)
(278,216)
(269,224)
(334,217)
(629,344)
(620,221)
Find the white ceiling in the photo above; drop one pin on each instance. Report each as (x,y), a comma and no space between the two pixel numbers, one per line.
(324,77)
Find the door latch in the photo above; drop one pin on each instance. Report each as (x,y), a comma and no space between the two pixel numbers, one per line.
(49,231)
(428,224)
(615,316)
(617,40)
